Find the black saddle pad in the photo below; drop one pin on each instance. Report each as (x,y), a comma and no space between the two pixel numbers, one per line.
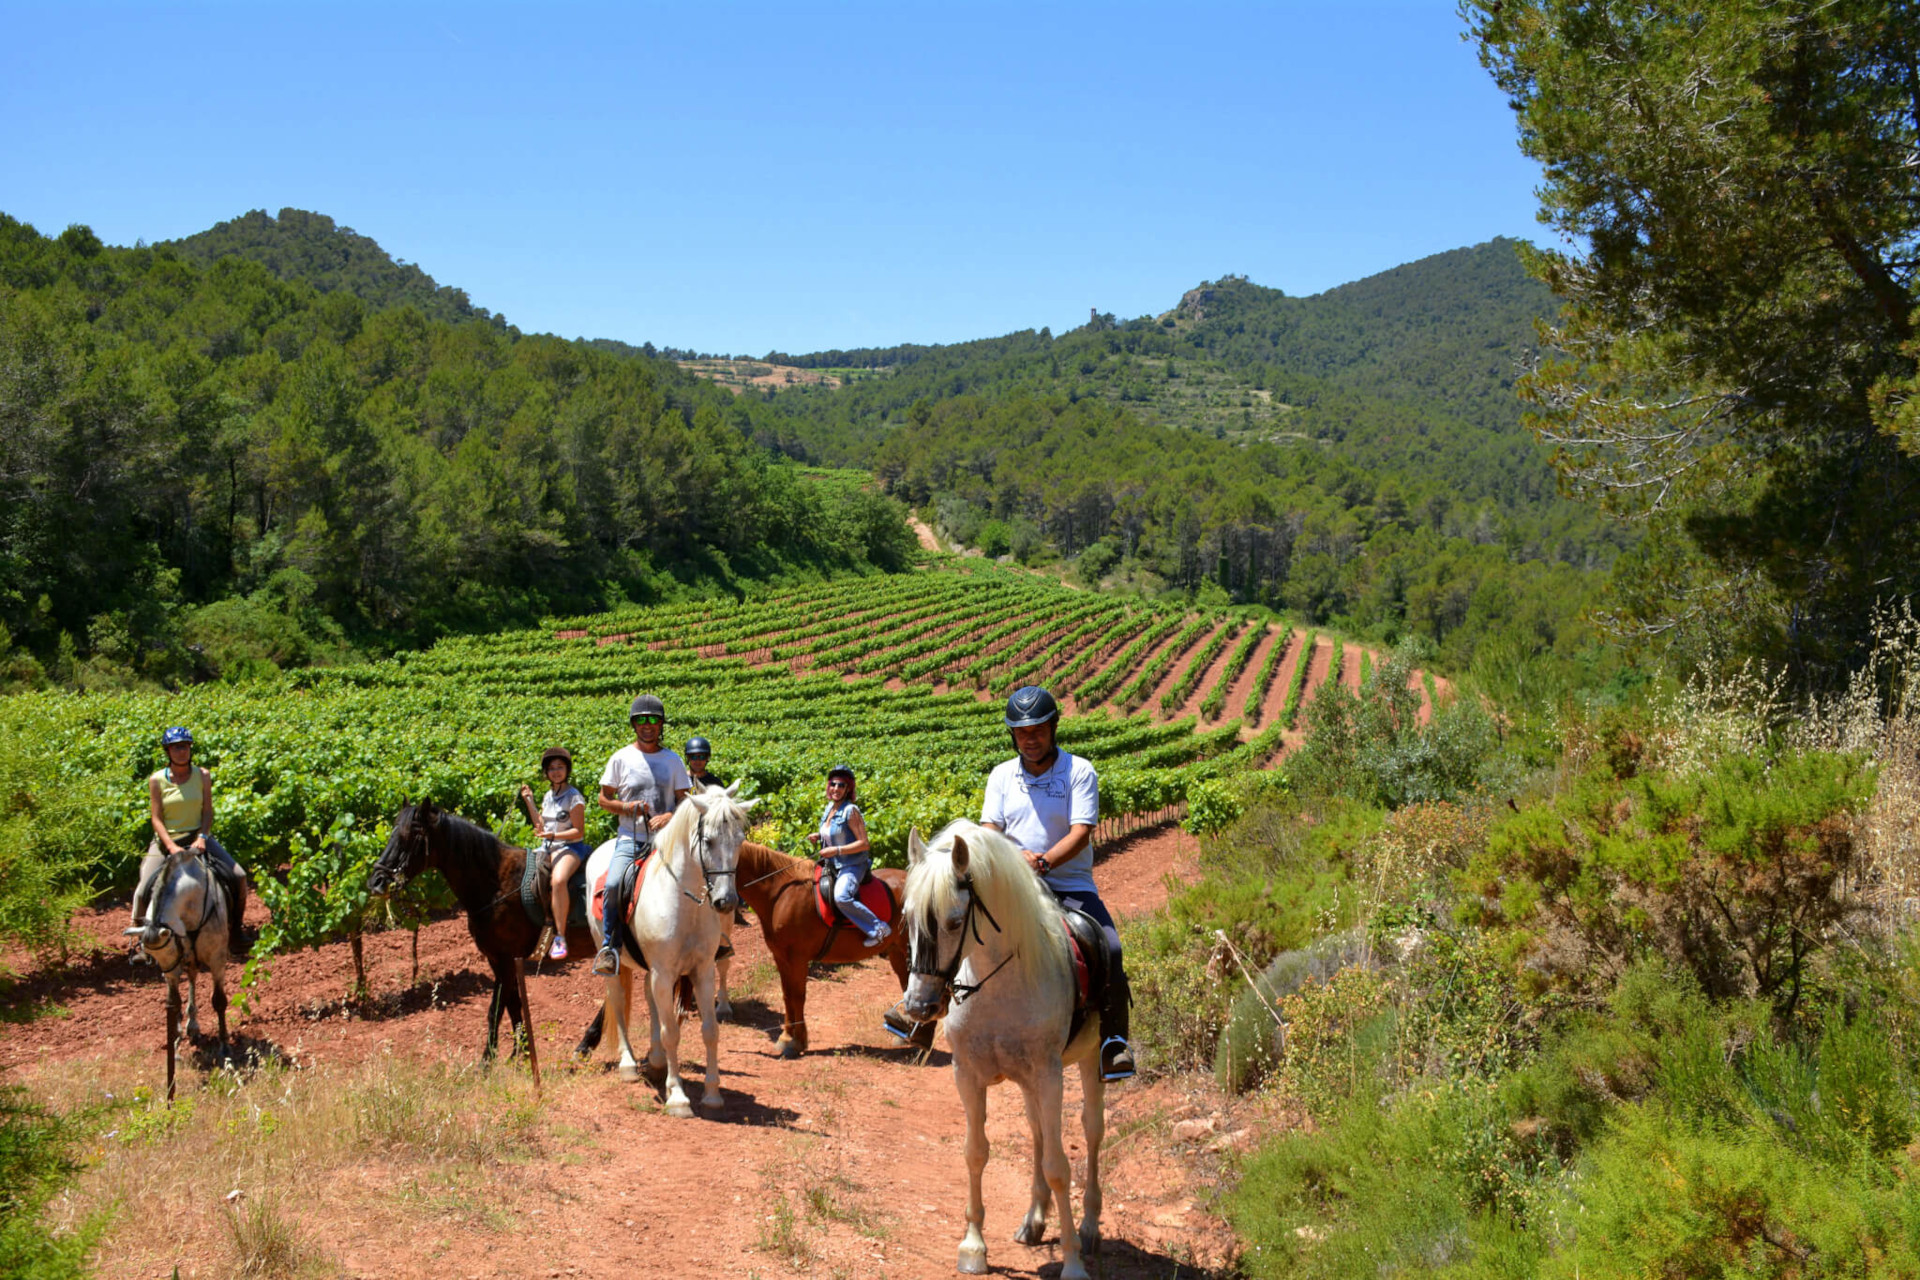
(1091,942)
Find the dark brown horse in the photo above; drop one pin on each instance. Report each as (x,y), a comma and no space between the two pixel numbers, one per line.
(484,873)
(780,890)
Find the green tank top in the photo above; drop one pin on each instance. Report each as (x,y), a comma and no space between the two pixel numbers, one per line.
(181,803)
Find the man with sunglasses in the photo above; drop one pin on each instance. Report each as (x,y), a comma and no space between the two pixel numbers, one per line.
(640,787)
(1048,802)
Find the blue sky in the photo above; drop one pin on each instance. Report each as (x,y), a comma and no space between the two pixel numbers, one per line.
(739,178)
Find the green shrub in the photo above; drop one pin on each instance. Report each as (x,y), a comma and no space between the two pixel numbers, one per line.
(35,1158)
(1254,1038)
(1737,874)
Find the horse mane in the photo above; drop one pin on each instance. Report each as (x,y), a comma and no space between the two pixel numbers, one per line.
(470,842)
(1004,882)
(724,813)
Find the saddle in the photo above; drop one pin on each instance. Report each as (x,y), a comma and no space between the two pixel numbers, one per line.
(873,894)
(624,900)
(536,891)
(1092,965)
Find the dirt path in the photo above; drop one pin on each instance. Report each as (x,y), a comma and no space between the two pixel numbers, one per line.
(928,541)
(1350,667)
(620,1190)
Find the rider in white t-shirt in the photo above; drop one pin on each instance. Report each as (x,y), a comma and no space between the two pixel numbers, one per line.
(1048,802)
(642,784)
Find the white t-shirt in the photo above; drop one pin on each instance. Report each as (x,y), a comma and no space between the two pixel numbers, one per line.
(556,810)
(1035,812)
(654,778)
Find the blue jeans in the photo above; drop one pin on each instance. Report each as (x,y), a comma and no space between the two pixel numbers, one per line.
(846,896)
(626,851)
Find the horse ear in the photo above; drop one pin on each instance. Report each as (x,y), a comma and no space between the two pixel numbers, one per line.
(733,788)
(960,854)
(427,812)
(916,847)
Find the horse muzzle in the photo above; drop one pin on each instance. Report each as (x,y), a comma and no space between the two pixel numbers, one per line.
(725,901)
(923,997)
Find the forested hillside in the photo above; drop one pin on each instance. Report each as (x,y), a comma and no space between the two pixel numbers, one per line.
(202,468)
(1357,457)
(313,249)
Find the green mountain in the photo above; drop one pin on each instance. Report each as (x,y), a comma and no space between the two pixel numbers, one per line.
(315,250)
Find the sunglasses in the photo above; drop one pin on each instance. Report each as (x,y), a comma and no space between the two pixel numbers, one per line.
(649,719)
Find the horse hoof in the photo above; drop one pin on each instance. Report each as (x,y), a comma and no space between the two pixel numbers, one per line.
(789,1050)
(1090,1240)
(680,1110)
(1031,1232)
(631,1074)
(971,1263)
(1074,1270)
(713,1102)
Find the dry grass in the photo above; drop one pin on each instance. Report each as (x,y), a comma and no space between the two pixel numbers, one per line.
(300,1147)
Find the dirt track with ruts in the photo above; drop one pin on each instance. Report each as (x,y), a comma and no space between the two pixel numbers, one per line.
(618,1188)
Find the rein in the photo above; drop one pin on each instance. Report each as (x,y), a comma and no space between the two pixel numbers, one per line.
(947,976)
(700,846)
(192,946)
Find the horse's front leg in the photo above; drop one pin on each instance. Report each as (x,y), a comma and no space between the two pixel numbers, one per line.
(1049,1088)
(619,1000)
(704,979)
(973,1245)
(219,975)
(1093,1123)
(1033,1227)
(193,1003)
(667,1026)
(722,965)
(793,995)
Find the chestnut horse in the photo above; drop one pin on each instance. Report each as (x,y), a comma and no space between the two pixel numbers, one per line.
(781,892)
(484,873)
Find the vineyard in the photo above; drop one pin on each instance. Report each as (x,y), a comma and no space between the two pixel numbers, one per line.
(891,673)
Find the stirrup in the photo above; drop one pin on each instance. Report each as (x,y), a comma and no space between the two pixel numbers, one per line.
(898,1024)
(607,963)
(1108,1069)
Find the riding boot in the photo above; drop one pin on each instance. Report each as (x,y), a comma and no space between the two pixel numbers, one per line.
(1116,1053)
(235,889)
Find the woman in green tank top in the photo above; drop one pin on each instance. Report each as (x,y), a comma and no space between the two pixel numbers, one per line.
(180,808)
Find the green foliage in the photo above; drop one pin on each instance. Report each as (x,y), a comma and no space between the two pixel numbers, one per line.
(174,437)
(36,1156)
(1736,874)
(1371,747)
(1737,361)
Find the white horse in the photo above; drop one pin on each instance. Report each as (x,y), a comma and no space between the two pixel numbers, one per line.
(985,931)
(685,895)
(186,932)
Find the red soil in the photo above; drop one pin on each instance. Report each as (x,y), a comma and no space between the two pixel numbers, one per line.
(1237,695)
(618,1189)
(1350,667)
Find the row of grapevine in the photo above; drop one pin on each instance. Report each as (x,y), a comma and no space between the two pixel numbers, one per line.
(1141,687)
(1215,705)
(1263,679)
(1176,697)
(1101,686)
(1296,689)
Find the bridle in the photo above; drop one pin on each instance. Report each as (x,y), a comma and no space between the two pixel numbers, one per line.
(930,928)
(164,895)
(700,846)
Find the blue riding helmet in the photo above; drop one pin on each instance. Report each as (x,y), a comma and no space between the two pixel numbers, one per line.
(176,734)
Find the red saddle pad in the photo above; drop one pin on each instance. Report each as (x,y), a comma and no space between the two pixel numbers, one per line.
(873,892)
(600,890)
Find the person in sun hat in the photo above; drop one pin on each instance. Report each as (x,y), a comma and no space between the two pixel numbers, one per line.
(561,824)
(641,786)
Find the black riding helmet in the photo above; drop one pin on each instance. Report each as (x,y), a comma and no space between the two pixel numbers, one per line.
(646,705)
(1030,706)
(551,754)
(698,747)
